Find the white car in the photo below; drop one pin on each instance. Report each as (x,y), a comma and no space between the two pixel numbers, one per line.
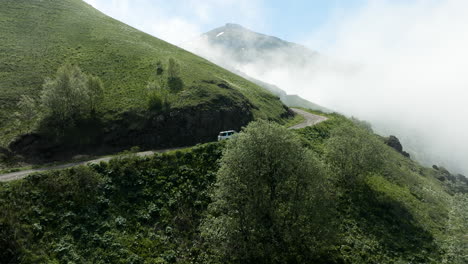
(226,134)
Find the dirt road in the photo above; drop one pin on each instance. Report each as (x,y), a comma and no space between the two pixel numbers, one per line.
(310,120)
(21,174)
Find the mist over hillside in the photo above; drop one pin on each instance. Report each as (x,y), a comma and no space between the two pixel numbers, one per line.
(404,76)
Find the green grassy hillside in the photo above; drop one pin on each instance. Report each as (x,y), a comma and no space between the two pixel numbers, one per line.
(37,37)
(148,210)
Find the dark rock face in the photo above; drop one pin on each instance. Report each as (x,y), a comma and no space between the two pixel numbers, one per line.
(394,143)
(175,128)
(4,151)
(462,178)
(30,145)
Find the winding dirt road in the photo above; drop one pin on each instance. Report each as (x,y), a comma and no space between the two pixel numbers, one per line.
(310,120)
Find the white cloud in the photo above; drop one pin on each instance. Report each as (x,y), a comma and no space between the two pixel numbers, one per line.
(398,64)
(177,22)
(412,79)
(174,30)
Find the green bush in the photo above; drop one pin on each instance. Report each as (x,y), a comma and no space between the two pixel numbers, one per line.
(269,201)
(158,98)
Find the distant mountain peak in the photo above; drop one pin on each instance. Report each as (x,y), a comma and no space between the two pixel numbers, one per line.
(246,45)
(235,26)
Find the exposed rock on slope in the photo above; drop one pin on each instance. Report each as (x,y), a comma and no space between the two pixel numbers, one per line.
(394,142)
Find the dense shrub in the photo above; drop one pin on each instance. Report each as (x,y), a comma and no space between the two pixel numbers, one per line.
(131,210)
(269,203)
(158,97)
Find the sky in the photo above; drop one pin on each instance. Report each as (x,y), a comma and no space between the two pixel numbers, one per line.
(399,64)
(181,20)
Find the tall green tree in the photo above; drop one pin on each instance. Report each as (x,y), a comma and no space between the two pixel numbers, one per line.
(353,152)
(269,204)
(70,96)
(66,97)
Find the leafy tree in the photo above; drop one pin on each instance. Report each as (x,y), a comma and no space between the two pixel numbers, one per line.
(66,97)
(353,151)
(269,202)
(70,96)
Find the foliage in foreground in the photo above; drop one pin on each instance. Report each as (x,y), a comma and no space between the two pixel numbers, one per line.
(261,206)
(270,203)
(131,210)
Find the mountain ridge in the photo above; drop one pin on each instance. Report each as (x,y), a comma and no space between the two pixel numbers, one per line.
(236,46)
(246,44)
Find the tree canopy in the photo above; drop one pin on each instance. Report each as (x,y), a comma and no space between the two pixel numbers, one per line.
(268,199)
(70,96)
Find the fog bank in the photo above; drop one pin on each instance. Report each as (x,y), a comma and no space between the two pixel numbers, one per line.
(402,65)
(412,78)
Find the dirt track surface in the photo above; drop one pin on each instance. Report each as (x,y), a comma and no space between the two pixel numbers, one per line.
(21,174)
(310,120)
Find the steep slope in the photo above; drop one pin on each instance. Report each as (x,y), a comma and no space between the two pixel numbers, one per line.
(37,37)
(149,210)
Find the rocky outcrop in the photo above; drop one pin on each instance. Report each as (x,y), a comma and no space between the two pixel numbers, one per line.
(455,183)
(394,143)
(179,127)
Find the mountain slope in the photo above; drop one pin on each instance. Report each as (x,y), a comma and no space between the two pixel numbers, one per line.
(149,210)
(37,37)
(248,46)
(237,48)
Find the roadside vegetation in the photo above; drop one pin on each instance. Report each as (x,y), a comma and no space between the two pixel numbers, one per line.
(331,193)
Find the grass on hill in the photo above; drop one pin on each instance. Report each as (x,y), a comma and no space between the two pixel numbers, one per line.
(147,210)
(37,37)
